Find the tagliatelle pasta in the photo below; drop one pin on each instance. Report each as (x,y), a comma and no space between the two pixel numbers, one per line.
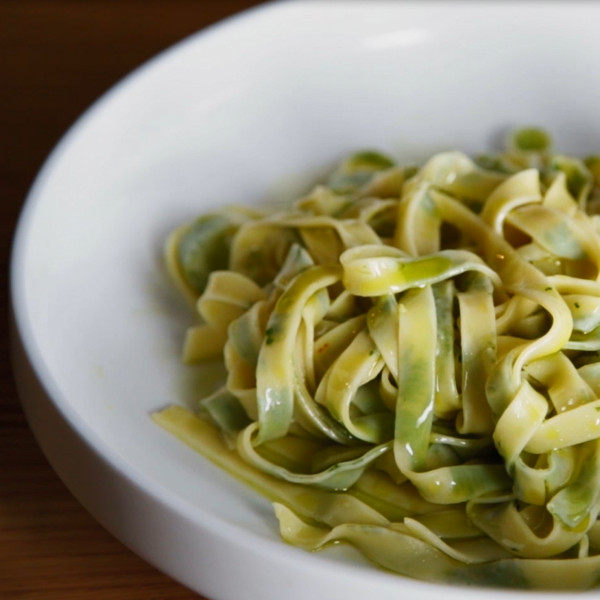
(413,362)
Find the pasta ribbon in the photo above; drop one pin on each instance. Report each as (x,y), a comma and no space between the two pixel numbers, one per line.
(413,361)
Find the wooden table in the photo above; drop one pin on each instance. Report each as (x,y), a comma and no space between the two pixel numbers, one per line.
(56,57)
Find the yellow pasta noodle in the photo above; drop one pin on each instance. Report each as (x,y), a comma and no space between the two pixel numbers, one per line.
(413,362)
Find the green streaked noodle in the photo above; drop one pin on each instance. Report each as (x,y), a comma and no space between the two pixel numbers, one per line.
(413,362)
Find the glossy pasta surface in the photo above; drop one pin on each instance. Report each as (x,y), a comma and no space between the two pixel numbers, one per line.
(413,362)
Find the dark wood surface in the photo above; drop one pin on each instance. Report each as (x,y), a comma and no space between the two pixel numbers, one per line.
(57,57)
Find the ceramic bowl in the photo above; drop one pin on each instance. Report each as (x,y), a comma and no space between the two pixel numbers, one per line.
(251,110)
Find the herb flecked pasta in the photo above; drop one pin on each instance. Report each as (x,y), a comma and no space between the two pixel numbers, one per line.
(413,362)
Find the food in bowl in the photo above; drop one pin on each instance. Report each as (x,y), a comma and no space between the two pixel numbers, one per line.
(413,361)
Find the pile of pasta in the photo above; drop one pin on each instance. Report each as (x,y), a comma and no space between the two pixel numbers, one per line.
(413,364)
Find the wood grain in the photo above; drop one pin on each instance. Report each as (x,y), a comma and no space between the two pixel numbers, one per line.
(56,58)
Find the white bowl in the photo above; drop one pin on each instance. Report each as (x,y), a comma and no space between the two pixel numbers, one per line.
(250,110)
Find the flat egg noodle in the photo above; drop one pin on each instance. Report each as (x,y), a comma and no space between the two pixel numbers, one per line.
(420,347)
